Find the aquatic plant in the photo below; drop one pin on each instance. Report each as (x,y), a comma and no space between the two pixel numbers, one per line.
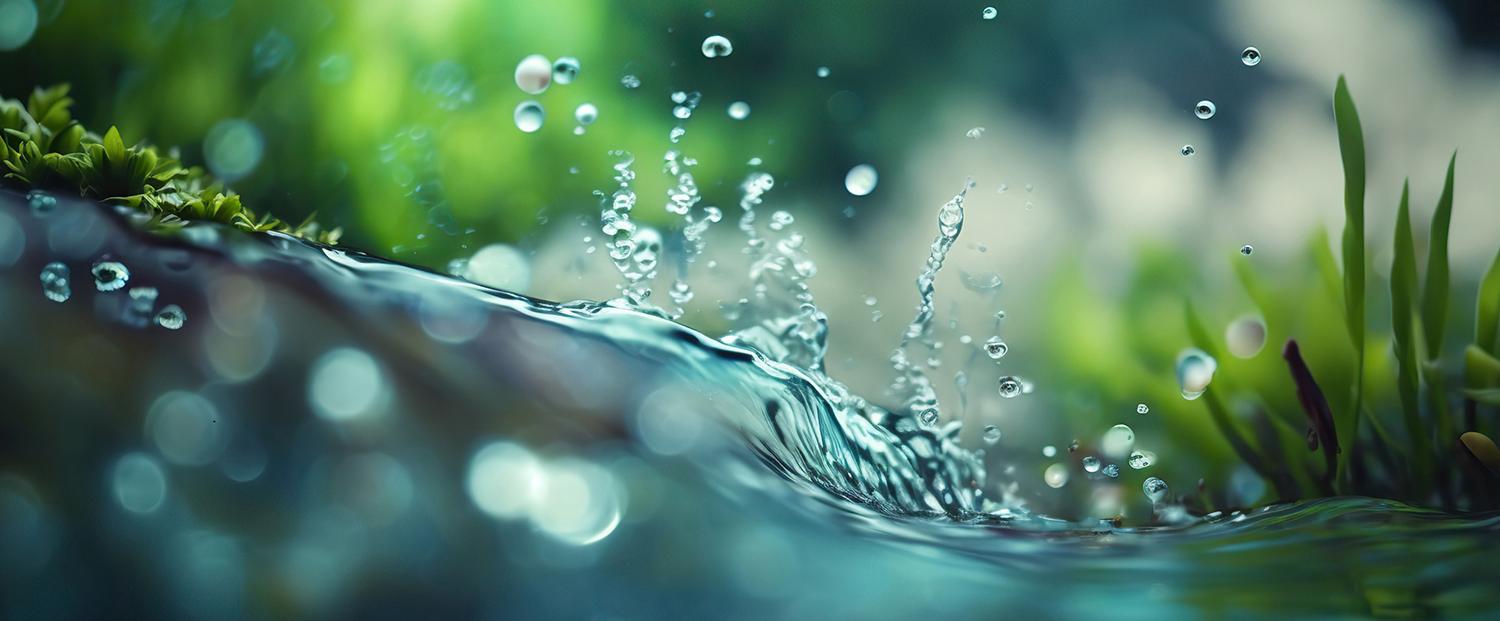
(44,148)
(1435,459)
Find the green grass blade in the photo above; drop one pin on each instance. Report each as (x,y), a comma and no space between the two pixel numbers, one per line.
(1321,251)
(1435,287)
(1403,283)
(1352,152)
(1487,311)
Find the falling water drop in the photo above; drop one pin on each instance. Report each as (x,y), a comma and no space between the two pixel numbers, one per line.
(991,434)
(1188,150)
(529,116)
(1205,109)
(995,348)
(55,282)
(630,81)
(1141,408)
(1010,387)
(861,180)
(534,74)
(1247,250)
(586,114)
(989,12)
(823,72)
(1056,476)
(110,275)
(1251,56)
(1049,451)
(1195,369)
(1246,336)
(171,317)
(975,132)
(1091,464)
(1117,441)
(41,203)
(565,70)
(1156,489)
(1142,459)
(1111,471)
(717,45)
(739,110)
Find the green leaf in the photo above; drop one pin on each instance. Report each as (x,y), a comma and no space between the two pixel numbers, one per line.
(1435,287)
(114,146)
(1352,150)
(1403,282)
(1487,311)
(1487,396)
(1480,368)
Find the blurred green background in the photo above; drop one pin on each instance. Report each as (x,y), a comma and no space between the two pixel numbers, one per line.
(394,119)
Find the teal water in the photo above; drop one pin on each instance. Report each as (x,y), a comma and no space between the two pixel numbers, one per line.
(732,475)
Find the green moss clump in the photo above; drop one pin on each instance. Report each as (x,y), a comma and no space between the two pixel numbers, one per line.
(43,147)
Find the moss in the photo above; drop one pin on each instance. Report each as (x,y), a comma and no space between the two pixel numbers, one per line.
(43,147)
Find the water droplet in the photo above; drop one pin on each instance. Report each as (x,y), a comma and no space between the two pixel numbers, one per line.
(1247,249)
(1141,408)
(529,116)
(41,203)
(1142,459)
(55,282)
(171,317)
(534,74)
(1073,446)
(138,311)
(716,46)
(975,132)
(1195,369)
(1091,464)
(989,12)
(1117,441)
(1055,476)
(1112,471)
(586,114)
(1010,387)
(630,81)
(565,70)
(929,418)
(676,134)
(1156,489)
(1188,150)
(1251,57)
(991,434)
(823,72)
(739,110)
(861,180)
(995,348)
(871,301)
(110,275)
(1205,109)
(1246,336)
(1049,451)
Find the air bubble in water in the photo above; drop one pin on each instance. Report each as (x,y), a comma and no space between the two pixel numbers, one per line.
(989,12)
(739,110)
(630,81)
(1251,57)
(1141,408)
(991,434)
(1195,369)
(529,116)
(1156,489)
(1188,150)
(780,220)
(565,70)
(1205,109)
(1112,471)
(1055,476)
(534,74)
(1010,387)
(861,180)
(676,134)
(1142,459)
(171,317)
(1118,440)
(1091,464)
(55,282)
(995,348)
(110,275)
(586,114)
(1247,249)
(716,46)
